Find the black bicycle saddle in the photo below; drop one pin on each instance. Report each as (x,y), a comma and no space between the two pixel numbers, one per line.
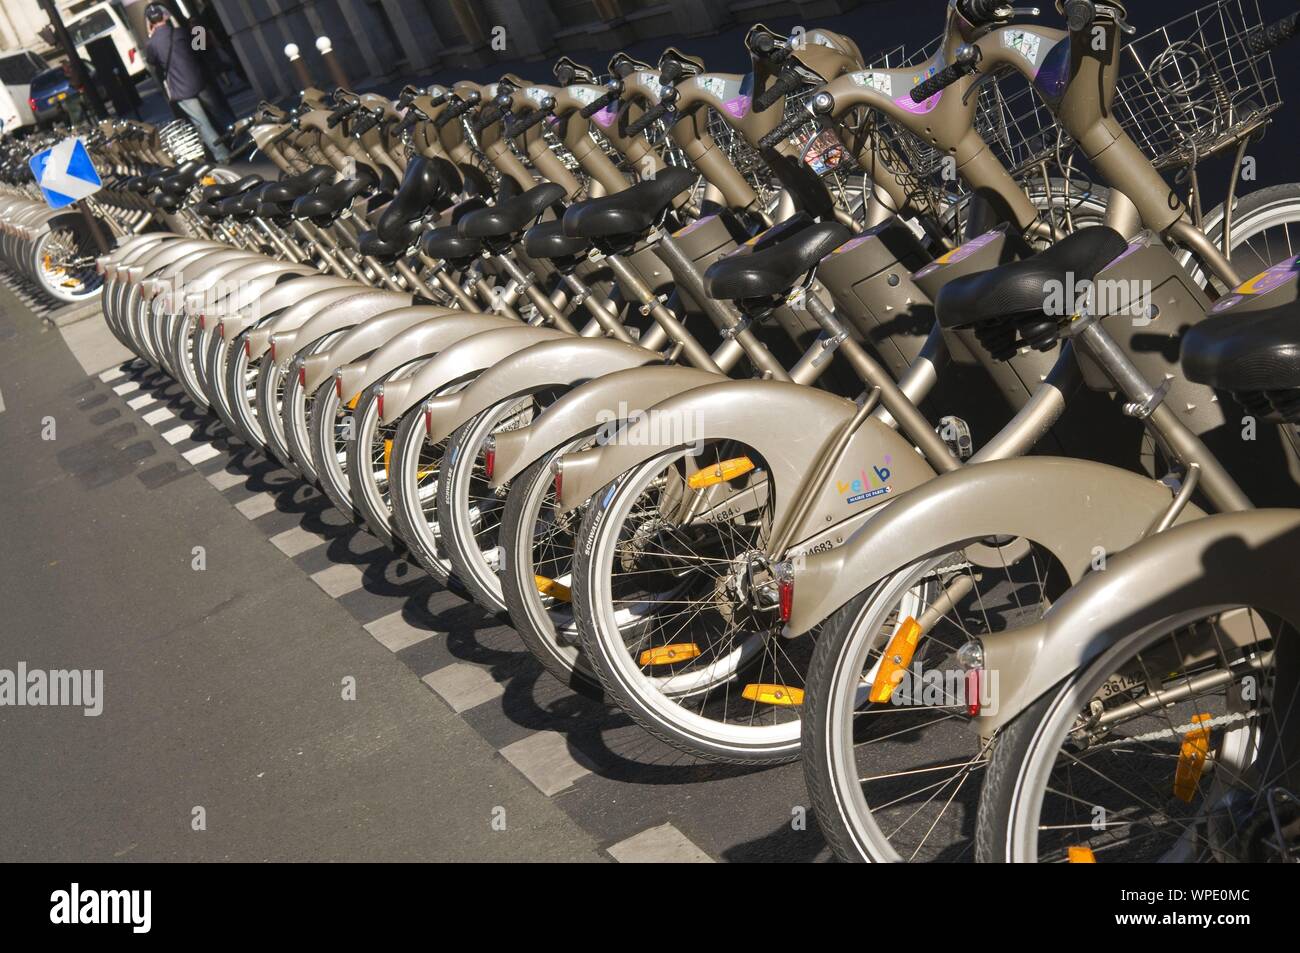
(1256,351)
(547,240)
(772,263)
(1015,289)
(511,216)
(634,211)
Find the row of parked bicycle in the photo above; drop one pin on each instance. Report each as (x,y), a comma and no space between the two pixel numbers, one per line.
(909,413)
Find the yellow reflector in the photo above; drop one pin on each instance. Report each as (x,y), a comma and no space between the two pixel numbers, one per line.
(898,655)
(773,694)
(556,590)
(208,180)
(388,455)
(352,404)
(726,470)
(668,654)
(1082,855)
(1191,760)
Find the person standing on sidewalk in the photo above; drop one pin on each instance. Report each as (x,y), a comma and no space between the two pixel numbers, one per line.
(169,53)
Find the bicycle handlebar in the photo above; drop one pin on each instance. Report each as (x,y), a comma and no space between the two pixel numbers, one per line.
(596,105)
(648,118)
(515,127)
(786,82)
(979,12)
(456,109)
(487,117)
(967,60)
(1269,38)
(342,112)
(784,129)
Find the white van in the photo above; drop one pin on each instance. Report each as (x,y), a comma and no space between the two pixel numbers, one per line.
(16,71)
(103,19)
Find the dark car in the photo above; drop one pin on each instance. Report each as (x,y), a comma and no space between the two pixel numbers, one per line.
(54,97)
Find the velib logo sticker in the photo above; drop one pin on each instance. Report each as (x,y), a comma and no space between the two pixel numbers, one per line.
(75,906)
(867,485)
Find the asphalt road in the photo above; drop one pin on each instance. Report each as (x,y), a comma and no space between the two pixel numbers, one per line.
(223,687)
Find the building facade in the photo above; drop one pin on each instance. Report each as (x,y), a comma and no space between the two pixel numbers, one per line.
(379,40)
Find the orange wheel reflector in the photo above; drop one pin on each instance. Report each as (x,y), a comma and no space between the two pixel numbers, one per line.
(1082,855)
(669,654)
(352,404)
(773,694)
(1191,760)
(720,472)
(556,590)
(388,455)
(898,655)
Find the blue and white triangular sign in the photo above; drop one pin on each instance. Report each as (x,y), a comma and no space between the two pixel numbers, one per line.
(65,173)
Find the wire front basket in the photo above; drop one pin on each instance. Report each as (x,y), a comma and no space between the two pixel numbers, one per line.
(1194,87)
(180,140)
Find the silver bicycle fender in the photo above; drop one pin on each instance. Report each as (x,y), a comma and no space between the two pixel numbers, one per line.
(421,340)
(1069,506)
(549,363)
(606,400)
(457,362)
(365,337)
(1217,562)
(792,430)
(335,316)
(255,305)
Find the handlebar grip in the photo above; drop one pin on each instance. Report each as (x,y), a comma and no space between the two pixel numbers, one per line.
(774,137)
(940,81)
(515,127)
(364,124)
(487,117)
(409,120)
(979,12)
(454,111)
(1271,37)
(670,72)
(647,119)
(1079,14)
(596,105)
(788,81)
(338,115)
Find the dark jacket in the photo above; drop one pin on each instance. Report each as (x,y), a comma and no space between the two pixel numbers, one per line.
(168,51)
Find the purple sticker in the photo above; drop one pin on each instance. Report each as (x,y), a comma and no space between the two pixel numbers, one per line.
(906,103)
(962,252)
(606,116)
(738,107)
(693,226)
(1284,272)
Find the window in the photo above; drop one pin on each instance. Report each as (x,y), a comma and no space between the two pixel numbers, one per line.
(91,26)
(19,68)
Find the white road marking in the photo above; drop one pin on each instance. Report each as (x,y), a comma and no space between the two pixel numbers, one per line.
(199,454)
(256,506)
(112,374)
(154,416)
(130,387)
(339,580)
(294,541)
(135,403)
(464,686)
(664,844)
(394,633)
(177,434)
(224,481)
(546,760)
